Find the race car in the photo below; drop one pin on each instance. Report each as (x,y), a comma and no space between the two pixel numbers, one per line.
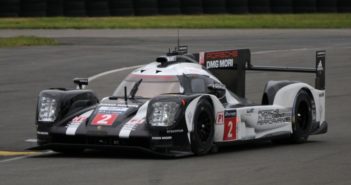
(183,104)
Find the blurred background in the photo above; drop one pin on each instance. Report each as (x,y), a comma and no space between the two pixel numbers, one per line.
(94,8)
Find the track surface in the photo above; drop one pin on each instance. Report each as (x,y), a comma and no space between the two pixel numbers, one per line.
(25,71)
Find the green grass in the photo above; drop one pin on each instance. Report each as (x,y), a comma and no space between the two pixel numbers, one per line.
(25,41)
(201,21)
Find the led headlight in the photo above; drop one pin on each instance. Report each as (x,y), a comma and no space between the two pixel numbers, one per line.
(47,109)
(163,113)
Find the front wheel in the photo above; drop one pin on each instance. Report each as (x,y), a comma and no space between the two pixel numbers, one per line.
(202,135)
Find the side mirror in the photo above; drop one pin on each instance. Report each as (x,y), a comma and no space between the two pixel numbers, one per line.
(81,82)
(217,89)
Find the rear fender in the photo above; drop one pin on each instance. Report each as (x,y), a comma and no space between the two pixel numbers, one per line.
(285,97)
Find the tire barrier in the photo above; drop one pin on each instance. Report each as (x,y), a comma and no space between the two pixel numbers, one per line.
(33,8)
(96,8)
(74,8)
(169,7)
(9,8)
(214,6)
(282,6)
(259,6)
(344,6)
(146,7)
(237,6)
(54,8)
(121,7)
(327,6)
(191,6)
(305,6)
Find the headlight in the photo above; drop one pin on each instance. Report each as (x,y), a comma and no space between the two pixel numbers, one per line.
(163,113)
(47,109)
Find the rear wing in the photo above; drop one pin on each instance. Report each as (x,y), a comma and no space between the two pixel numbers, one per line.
(230,67)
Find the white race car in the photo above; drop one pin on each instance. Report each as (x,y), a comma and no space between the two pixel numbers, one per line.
(183,104)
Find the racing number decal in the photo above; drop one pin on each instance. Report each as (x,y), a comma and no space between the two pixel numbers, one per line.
(104,119)
(229,126)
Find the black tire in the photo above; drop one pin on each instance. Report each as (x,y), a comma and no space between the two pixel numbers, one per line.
(33,8)
(121,7)
(282,6)
(344,6)
(9,8)
(54,8)
(74,8)
(259,6)
(145,7)
(203,133)
(302,117)
(305,6)
(98,8)
(237,6)
(191,7)
(329,6)
(214,6)
(169,7)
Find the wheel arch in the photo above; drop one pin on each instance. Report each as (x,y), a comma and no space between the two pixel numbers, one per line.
(190,110)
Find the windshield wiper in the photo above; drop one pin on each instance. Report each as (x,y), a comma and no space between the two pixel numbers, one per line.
(135,89)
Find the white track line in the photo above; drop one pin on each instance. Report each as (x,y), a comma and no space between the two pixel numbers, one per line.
(112,71)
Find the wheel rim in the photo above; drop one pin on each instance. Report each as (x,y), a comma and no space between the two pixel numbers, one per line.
(204,126)
(302,115)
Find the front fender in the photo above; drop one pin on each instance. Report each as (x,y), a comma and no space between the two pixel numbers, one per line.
(190,111)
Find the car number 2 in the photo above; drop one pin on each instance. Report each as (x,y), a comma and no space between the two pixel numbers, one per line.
(229,129)
(104,119)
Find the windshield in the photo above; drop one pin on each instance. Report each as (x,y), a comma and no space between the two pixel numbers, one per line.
(150,86)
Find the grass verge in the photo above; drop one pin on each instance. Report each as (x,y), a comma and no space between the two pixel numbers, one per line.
(200,21)
(26,41)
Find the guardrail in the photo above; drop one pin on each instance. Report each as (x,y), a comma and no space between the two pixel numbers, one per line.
(94,8)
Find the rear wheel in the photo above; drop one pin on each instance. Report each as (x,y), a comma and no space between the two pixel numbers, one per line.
(202,135)
(302,119)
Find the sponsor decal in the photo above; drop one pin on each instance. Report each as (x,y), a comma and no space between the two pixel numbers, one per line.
(162,138)
(216,86)
(221,54)
(175,131)
(131,125)
(104,119)
(249,111)
(230,125)
(202,58)
(42,133)
(79,119)
(230,113)
(220,118)
(266,117)
(221,59)
(221,63)
(112,109)
(76,122)
(321,95)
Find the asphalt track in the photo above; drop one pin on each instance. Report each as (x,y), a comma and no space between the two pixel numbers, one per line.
(25,71)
